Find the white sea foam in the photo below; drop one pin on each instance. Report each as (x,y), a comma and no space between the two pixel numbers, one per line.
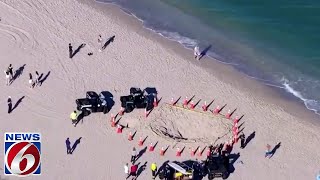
(311,104)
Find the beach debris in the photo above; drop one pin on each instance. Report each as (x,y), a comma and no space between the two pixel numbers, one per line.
(240,162)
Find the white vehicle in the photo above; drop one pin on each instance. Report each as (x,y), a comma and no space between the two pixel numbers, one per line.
(177,171)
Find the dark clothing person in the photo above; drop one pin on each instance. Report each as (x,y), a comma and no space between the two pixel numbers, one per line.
(133,155)
(9,104)
(154,174)
(68,146)
(70,51)
(242,141)
(153,170)
(10,70)
(133,158)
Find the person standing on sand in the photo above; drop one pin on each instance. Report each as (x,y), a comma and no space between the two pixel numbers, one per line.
(10,70)
(30,81)
(153,170)
(126,170)
(70,50)
(197,52)
(68,146)
(133,171)
(8,80)
(242,140)
(9,104)
(133,155)
(73,117)
(100,40)
(268,151)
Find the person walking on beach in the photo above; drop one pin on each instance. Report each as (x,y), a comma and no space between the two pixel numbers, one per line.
(268,151)
(153,170)
(197,52)
(126,170)
(242,140)
(68,146)
(8,80)
(73,117)
(70,51)
(100,40)
(30,81)
(10,70)
(9,104)
(133,155)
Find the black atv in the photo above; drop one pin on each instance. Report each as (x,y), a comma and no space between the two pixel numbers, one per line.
(93,103)
(137,99)
(217,166)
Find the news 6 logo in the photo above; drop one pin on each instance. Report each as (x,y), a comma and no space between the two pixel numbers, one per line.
(22,154)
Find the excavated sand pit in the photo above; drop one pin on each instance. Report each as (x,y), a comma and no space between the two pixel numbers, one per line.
(176,124)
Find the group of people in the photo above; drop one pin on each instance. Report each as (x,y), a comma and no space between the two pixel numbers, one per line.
(10,77)
(35,82)
(134,169)
(134,166)
(100,43)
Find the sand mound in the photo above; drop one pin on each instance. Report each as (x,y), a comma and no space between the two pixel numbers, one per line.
(176,124)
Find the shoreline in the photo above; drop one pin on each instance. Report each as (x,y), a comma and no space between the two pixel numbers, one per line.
(35,36)
(224,72)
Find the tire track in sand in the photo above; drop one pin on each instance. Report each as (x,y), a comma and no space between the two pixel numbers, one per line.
(22,38)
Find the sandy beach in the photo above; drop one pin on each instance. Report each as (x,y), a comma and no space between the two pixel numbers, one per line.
(34,36)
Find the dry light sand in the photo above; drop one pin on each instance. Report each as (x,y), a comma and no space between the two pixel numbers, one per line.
(37,32)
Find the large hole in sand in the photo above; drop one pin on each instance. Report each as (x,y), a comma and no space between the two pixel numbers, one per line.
(176,124)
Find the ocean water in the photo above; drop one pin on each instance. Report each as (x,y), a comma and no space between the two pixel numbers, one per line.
(276,42)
